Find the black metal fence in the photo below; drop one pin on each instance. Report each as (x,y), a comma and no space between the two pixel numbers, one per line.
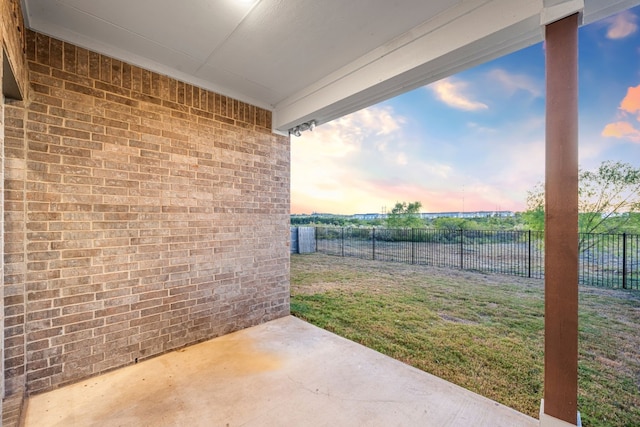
(610,260)
(606,260)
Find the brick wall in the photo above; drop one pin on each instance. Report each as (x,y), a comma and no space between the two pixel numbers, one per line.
(14,247)
(12,70)
(1,234)
(143,215)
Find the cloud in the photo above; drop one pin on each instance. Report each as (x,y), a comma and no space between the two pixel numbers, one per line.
(401,159)
(451,93)
(325,172)
(437,170)
(379,120)
(344,136)
(481,129)
(374,158)
(623,130)
(631,102)
(621,25)
(512,83)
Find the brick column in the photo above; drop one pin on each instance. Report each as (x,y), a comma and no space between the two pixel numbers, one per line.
(561,224)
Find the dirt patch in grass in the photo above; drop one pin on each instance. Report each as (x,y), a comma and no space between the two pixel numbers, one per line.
(484,332)
(448,318)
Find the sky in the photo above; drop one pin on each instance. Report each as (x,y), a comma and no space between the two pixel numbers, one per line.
(473,141)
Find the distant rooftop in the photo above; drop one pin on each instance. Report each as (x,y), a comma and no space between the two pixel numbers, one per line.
(432,215)
(423,215)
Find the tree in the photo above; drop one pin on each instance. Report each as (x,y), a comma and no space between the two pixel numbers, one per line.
(533,218)
(607,198)
(454,224)
(405,215)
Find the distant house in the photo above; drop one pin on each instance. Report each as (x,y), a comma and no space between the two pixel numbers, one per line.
(369,216)
(474,214)
(434,215)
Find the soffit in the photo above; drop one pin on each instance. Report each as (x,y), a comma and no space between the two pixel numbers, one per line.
(303,59)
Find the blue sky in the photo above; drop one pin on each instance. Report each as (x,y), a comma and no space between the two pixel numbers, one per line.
(473,141)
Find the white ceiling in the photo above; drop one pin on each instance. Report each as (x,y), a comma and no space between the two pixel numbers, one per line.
(306,59)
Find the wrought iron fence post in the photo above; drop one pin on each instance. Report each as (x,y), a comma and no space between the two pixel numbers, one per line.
(461,250)
(373,240)
(529,233)
(342,235)
(413,246)
(624,260)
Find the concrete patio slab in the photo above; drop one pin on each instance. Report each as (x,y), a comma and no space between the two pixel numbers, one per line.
(282,373)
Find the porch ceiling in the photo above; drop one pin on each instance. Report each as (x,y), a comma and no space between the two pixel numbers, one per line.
(306,59)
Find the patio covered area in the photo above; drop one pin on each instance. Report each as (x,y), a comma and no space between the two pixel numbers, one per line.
(285,372)
(146,167)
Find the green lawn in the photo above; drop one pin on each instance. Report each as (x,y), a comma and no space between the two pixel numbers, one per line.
(483,332)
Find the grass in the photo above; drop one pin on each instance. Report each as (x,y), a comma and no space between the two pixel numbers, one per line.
(482,332)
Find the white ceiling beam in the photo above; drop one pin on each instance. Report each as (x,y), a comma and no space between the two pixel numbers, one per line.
(555,10)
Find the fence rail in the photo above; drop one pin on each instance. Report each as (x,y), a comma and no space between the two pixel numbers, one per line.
(606,260)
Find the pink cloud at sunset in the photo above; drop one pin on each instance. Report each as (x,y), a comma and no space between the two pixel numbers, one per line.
(451,93)
(625,129)
(621,26)
(367,161)
(631,102)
